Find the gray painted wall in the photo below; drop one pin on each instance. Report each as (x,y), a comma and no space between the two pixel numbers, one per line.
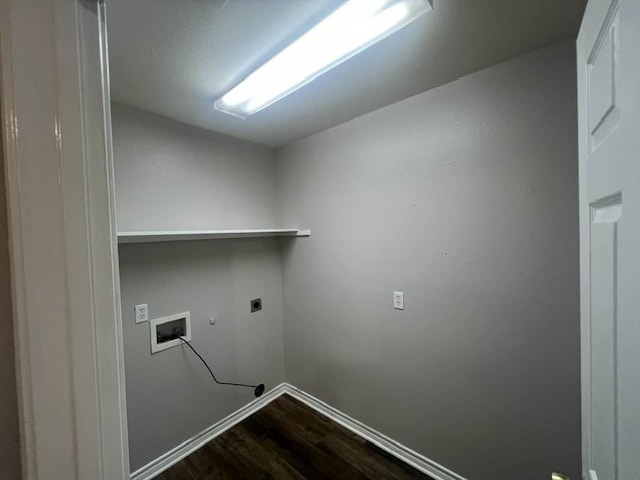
(170,395)
(172,176)
(465,198)
(9,436)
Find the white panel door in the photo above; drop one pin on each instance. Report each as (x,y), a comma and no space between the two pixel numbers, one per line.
(608,53)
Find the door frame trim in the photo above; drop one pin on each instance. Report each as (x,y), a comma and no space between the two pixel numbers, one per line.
(62,241)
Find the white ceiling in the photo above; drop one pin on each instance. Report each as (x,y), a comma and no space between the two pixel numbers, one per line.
(175,57)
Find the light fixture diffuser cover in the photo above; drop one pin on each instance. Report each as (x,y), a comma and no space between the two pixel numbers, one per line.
(353,27)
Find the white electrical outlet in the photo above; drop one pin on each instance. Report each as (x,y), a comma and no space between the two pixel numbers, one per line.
(398,300)
(142,312)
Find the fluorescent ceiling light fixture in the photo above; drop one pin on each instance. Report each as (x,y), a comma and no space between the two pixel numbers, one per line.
(353,27)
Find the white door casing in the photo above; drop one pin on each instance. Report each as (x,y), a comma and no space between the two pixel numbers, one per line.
(608,57)
(63,248)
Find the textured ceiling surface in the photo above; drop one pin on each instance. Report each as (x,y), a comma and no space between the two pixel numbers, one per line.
(175,57)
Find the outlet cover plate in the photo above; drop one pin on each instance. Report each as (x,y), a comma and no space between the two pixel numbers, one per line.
(141,312)
(398,300)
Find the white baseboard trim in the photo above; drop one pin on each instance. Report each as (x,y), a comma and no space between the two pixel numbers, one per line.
(419,462)
(186,448)
(405,454)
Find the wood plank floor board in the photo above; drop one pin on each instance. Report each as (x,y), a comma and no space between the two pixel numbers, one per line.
(266,452)
(287,440)
(372,461)
(299,447)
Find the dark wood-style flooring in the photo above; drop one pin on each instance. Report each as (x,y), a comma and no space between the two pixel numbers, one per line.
(288,440)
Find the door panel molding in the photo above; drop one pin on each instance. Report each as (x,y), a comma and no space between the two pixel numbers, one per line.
(603,325)
(608,48)
(602,77)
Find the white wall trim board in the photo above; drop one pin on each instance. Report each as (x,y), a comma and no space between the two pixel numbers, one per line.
(405,454)
(189,446)
(411,457)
